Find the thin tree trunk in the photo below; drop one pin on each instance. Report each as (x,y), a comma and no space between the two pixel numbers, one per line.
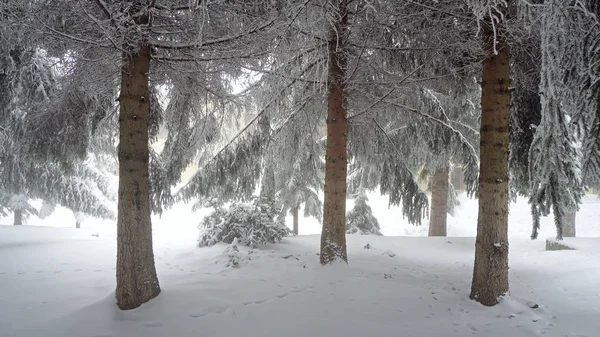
(77,224)
(490,272)
(295,220)
(569,228)
(137,281)
(18,220)
(439,202)
(333,235)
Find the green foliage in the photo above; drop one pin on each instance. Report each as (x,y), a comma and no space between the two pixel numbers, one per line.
(525,110)
(46,136)
(232,174)
(554,157)
(299,171)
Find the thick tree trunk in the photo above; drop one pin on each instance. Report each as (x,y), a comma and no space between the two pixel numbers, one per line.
(439,202)
(490,272)
(569,228)
(77,224)
(137,282)
(18,220)
(333,235)
(295,220)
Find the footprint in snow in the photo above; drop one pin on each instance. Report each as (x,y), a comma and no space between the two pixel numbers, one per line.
(220,310)
(281,295)
(152,324)
(197,315)
(260,301)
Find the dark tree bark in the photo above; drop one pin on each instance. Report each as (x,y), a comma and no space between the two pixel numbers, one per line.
(18,218)
(439,203)
(137,281)
(295,220)
(569,227)
(490,272)
(333,236)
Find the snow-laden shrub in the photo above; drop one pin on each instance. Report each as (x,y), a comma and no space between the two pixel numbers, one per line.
(361,219)
(20,203)
(233,254)
(254,224)
(211,227)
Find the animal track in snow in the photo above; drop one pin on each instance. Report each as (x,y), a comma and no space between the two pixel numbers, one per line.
(152,324)
(220,310)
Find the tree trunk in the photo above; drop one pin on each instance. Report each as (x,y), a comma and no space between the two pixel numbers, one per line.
(490,272)
(77,224)
(569,228)
(439,202)
(267,185)
(333,235)
(295,218)
(137,282)
(18,220)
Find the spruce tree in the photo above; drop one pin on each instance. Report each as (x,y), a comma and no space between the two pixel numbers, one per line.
(557,183)
(490,271)
(140,45)
(36,160)
(360,218)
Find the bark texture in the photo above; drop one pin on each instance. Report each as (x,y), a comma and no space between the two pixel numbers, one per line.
(137,282)
(333,235)
(18,218)
(490,272)
(295,220)
(439,202)
(569,228)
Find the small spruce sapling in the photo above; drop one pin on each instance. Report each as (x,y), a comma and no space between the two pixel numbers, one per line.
(233,254)
(361,219)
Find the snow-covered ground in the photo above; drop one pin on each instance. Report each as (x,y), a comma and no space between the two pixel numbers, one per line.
(59,282)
